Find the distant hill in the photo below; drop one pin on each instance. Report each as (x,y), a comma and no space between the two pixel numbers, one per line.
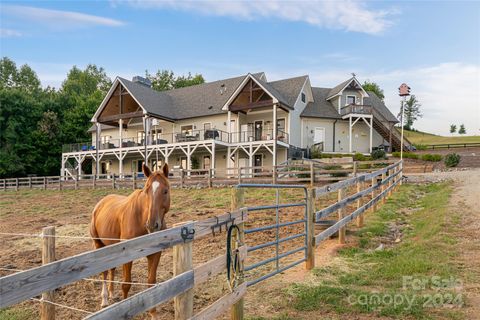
(419,137)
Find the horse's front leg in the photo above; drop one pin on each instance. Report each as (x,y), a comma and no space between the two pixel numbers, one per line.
(127,277)
(152,276)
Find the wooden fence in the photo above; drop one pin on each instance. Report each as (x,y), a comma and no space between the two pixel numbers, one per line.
(452,145)
(369,190)
(303,173)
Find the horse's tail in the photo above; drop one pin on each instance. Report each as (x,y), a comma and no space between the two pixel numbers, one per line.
(97,243)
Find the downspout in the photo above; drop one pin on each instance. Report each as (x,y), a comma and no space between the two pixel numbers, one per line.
(334,134)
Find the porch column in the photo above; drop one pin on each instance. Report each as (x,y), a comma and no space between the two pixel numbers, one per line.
(145,130)
(212,164)
(189,159)
(250,159)
(98,132)
(274,156)
(371,134)
(120,134)
(350,134)
(79,168)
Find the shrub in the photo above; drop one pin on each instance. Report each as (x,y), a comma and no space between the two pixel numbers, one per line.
(336,174)
(361,157)
(431,157)
(378,154)
(452,159)
(407,155)
(420,146)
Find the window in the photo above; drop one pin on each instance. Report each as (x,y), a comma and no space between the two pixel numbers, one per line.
(281,124)
(140,136)
(304,98)
(188,130)
(157,134)
(105,139)
(351,99)
(206,162)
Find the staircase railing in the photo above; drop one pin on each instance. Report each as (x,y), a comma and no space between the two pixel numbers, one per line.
(395,133)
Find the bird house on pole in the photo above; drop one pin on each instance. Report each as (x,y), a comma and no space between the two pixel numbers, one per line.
(404,90)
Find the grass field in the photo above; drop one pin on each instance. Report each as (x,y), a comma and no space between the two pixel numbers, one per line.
(417,137)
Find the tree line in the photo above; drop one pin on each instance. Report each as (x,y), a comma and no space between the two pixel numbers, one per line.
(35,122)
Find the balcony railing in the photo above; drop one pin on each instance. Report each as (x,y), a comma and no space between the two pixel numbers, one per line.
(258,135)
(164,138)
(356,108)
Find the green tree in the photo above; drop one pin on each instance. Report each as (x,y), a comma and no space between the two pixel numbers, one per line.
(12,77)
(80,95)
(462,129)
(166,80)
(372,86)
(453,128)
(412,112)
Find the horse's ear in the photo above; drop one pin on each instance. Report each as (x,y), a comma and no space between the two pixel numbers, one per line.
(146,170)
(165,170)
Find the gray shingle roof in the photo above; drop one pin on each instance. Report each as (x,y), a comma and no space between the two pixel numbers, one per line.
(379,106)
(333,91)
(320,107)
(289,88)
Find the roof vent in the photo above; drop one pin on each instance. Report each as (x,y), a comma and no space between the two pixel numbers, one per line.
(143,81)
(223,88)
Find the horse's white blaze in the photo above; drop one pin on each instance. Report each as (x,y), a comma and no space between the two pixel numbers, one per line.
(155,186)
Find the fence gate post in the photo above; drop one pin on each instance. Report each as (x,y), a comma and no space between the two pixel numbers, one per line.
(343,230)
(183,262)
(360,187)
(47,310)
(310,232)
(237,202)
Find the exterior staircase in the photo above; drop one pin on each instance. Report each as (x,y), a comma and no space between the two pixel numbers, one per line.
(385,129)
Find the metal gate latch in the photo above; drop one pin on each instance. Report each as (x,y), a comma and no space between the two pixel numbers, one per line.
(187,234)
(225,223)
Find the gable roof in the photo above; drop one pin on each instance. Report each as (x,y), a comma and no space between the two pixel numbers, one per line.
(320,107)
(339,88)
(290,88)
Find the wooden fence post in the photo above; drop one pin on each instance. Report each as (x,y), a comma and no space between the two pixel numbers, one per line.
(47,310)
(76,182)
(44,183)
(374,182)
(239,170)
(182,178)
(384,175)
(134,181)
(60,178)
(16,184)
(30,182)
(209,178)
(94,181)
(237,202)
(354,172)
(310,263)
(343,230)
(183,262)
(390,182)
(360,217)
(113,181)
(312,175)
(274,174)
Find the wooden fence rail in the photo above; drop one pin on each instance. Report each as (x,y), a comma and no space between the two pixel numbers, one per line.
(287,174)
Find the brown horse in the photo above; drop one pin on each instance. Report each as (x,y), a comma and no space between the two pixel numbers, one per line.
(122,217)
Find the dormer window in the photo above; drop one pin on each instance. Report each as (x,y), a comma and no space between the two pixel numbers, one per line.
(303,97)
(351,100)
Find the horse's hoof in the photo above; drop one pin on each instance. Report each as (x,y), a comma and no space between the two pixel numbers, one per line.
(104,305)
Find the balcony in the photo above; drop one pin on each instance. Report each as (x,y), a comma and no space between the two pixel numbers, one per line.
(258,135)
(179,137)
(356,109)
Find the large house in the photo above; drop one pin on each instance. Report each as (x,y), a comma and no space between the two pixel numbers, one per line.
(244,121)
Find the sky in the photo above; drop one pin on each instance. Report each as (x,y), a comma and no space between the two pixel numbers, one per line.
(433,46)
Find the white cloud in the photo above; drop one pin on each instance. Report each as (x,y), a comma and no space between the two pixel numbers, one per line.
(9,33)
(59,19)
(346,15)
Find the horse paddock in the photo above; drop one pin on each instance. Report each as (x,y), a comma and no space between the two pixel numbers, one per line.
(70,212)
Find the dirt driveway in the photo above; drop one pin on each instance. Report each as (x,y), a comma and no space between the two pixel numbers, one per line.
(465,199)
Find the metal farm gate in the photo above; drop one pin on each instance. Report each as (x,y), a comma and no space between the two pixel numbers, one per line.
(276,227)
